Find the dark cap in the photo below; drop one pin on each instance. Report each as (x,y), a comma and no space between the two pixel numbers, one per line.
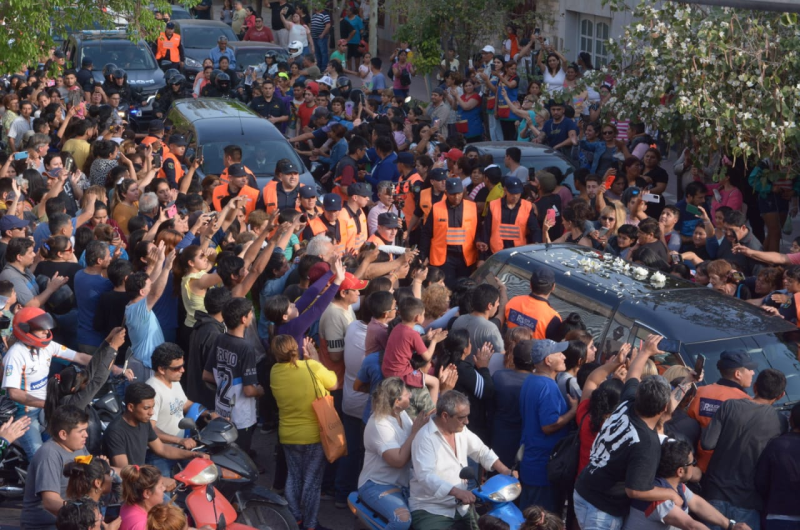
(306,192)
(87,61)
(513,185)
(361,189)
(438,91)
(170,25)
(388,220)
(317,271)
(542,277)
(178,140)
(332,202)
(541,349)
(731,360)
(59,54)
(155,126)
(285,166)
(405,158)
(438,173)
(236,170)
(10,222)
(454,186)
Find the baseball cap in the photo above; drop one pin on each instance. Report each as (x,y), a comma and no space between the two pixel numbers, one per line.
(306,192)
(541,349)
(513,185)
(59,54)
(405,158)
(283,75)
(454,154)
(87,61)
(488,49)
(155,126)
(454,186)
(331,202)
(342,42)
(389,220)
(317,271)
(542,277)
(325,80)
(351,282)
(10,222)
(53,173)
(285,166)
(236,170)
(359,188)
(170,25)
(547,181)
(438,173)
(178,140)
(438,91)
(313,87)
(728,360)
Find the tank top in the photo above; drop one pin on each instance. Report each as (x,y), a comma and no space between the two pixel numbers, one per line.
(555,83)
(191,301)
(298,33)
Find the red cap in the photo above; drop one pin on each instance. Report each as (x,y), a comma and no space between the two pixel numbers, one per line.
(351,282)
(317,271)
(454,154)
(313,87)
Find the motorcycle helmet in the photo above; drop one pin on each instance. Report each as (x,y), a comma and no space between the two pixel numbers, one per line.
(214,73)
(270,54)
(295,49)
(169,74)
(30,319)
(223,81)
(343,82)
(177,79)
(119,73)
(108,69)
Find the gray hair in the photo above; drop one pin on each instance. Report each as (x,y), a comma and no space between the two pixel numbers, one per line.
(384,397)
(37,140)
(316,246)
(148,202)
(385,185)
(449,401)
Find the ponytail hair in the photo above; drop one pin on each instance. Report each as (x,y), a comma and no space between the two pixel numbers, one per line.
(275,308)
(121,187)
(136,480)
(54,244)
(166,517)
(64,383)
(454,345)
(82,476)
(181,266)
(537,518)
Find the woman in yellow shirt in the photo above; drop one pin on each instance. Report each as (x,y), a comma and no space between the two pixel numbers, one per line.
(292,382)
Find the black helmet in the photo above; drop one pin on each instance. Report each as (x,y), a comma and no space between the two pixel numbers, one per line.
(108,69)
(223,81)
(342,82)
(271,54)
(214,73)
(169,74)
(119,73)
(177,79)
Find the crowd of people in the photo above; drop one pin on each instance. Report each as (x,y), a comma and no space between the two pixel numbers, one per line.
(219,296)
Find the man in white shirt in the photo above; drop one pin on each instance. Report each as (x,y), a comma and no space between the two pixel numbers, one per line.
(438,454)
(385,204)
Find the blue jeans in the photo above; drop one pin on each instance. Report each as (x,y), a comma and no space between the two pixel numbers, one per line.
(778,524)
(31,441)
(321,52)
(740,515)
(495,131)
(350,465)
(590,518)
(545,496)
(388,500)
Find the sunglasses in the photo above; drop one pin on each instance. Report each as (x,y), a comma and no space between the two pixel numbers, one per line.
(608,132)
(176,368)
(604,218)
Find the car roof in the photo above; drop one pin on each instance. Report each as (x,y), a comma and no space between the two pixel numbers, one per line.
(199,22)
(679,309)
(216,114)
(527,148)
(105,36)
(255,44)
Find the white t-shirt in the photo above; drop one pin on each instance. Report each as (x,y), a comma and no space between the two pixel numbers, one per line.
(354,344)
(168,408)
(29,368)
(554,83)
(380,436)
(367,79)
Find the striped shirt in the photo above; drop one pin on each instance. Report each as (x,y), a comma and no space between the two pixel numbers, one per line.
(318,22)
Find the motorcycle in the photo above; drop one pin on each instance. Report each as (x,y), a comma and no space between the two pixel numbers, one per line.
(235,473)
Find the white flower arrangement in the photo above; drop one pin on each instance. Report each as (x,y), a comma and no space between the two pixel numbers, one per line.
(590,265)
(639,273)
(658,280)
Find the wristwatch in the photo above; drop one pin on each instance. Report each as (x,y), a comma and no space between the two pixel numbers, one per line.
(731,524)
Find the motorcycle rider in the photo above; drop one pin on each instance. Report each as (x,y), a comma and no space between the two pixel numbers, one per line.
(343,86)
(119,82)
(177,89)
(269,67)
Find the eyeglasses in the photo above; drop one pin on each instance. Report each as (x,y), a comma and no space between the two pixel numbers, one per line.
(176,368)
(604,218)
(692,463)
(608,132)
(70,249)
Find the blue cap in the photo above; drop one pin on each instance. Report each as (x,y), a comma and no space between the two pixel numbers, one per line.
(389,220)
(170,25)
(454,186)
(541,349)
(362,189)
(236,170)
(306,192)
(86,61)
(405,158)
(438,173)
(332,202)
(728,360)
(542,277)
(513,185)
(10,222)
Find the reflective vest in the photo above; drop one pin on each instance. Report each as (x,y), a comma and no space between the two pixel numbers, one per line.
(516,233)
(444,235)
(426,203)
(356,238)
(178,168)
(168,47)
(317,226)
(311,220)
(406,188)
(221,191)
(707,401)
(530,312)
(378,240)
(270,193)
(147,140)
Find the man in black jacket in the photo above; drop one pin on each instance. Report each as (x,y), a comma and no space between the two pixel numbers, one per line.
(207,326)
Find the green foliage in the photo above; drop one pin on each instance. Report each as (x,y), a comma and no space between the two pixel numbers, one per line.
(31,25)
(729,77)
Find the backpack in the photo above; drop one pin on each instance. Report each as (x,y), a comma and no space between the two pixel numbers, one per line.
(405,78)
(563,464)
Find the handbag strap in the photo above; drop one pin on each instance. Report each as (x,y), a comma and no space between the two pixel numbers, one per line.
(313,380)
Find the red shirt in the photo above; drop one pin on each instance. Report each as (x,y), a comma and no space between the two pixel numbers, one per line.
(262,35)
(304,113)
(587,436)
(402,343)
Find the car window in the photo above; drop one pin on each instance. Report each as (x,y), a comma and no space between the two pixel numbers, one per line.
(663,360)
(126,55)
(255,56)
(547,160)
(619,333)
(180,14)
(206,36)
(259,156)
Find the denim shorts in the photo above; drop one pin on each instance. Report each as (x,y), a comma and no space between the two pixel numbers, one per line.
(772,204)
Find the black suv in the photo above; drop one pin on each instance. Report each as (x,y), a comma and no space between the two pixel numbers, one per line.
(621,305)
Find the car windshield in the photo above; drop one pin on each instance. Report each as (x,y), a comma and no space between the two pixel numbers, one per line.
(543,161)
(259,156)
(180,14)
(769,350)
(255,56)
(205,36)
(128,56)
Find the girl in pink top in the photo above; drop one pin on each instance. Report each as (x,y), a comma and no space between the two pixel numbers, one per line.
(141,490)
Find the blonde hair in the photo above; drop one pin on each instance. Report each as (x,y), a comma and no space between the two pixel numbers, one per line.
(384,397)
(616,210)
(649,368)
(136,480)
(166,517)
(436,299)
(284,349)
(675,372)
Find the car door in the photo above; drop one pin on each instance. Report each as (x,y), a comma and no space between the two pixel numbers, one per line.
(624,330)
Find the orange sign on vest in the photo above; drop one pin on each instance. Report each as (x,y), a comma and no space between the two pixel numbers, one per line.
(516,233)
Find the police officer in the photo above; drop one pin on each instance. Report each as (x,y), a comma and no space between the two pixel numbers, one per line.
(448,236)
(353,215)
(283,191)
(119,83)
(169,48)
(533,310)
(426,198)
(172,168)
(220,88)
(410,183)
(309,206)
(510,222)
(385,234)
(155,135)
(329,223)
(176,89)
(236,187)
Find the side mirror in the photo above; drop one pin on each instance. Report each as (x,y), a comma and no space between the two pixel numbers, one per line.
(467,473)
(187,424)
(210,493)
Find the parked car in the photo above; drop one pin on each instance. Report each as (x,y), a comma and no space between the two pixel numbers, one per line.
(251,53)
(199,37)
(214,123)
(534,156)
(619,308)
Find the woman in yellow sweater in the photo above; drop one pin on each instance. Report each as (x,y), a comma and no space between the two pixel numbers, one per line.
(292,382)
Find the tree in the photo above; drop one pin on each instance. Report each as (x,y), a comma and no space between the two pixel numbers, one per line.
(31,25)
(728,77)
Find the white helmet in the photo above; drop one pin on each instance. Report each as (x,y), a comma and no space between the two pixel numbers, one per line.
(295,49)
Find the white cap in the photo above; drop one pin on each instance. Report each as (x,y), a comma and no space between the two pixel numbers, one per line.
(488,49)
(325,80)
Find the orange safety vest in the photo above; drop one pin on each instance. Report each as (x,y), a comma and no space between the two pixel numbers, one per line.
(463,236)
(356,238)
(147,140)
(516,233)
(317,226)
(426,203)
(405,187)
(165,46)
(221,191)
(178,168)
(707,401)
(378,240)
(530,312)
(311,220)
(224,175)
(270,194)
